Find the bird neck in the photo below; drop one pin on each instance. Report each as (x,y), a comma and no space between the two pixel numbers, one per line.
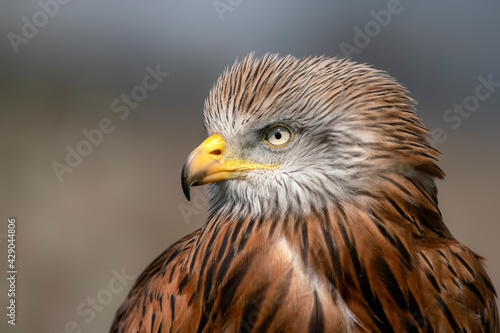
(334,242)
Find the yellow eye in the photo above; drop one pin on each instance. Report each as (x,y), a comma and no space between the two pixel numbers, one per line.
(278,135)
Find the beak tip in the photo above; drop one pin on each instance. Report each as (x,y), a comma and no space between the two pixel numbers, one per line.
(186,189)
(186,183)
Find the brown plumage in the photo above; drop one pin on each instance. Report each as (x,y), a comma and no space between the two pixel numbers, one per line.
(323,215)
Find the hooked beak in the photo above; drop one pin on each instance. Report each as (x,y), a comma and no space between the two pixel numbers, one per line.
(208,163)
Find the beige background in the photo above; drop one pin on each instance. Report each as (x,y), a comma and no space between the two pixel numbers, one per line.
(122,205)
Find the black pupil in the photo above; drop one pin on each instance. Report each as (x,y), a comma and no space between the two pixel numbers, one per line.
(277,135)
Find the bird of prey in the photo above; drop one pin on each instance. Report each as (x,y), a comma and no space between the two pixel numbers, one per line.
(323,214)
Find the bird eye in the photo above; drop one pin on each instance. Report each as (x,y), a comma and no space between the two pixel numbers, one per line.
(278,135)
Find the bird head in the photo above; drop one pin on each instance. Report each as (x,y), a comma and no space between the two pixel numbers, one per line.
(288,134)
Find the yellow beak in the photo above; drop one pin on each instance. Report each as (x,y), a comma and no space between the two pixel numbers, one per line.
(208,163)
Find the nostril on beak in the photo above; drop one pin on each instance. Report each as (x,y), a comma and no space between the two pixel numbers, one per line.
(216,152)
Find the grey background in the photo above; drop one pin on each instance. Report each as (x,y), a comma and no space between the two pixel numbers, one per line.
(122,205)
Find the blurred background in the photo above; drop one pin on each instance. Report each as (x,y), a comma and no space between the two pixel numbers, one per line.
(68,66)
